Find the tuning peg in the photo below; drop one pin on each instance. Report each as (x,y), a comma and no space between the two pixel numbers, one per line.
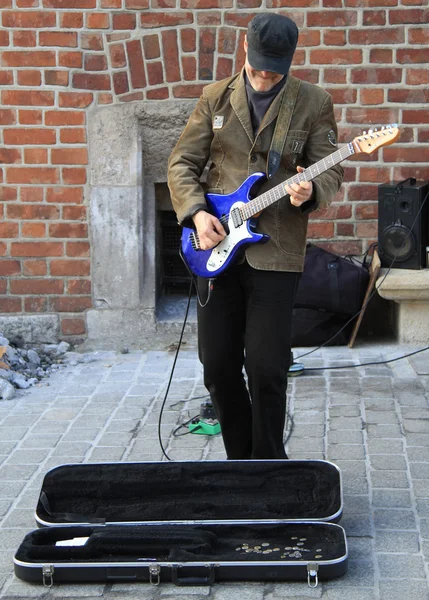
(370,131)
(364,133)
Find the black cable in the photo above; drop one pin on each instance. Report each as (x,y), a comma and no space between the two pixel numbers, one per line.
(172,371)
(373,292)
(184,425)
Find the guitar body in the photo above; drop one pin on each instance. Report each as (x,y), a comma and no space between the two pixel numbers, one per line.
(211,263)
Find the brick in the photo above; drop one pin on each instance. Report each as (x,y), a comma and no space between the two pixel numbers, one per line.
(156,76)
(136,64)
(371,96)
(70,3)
(30,117)
(74,176)
(33,230)
(104,98)
(71,20)
(158,94)
(3,249)
(335,75)
(387,35)
(97,20)
(374,17)
(332,18)
(91,81)
(381,55)
(37,249)
(166,19)
(35,305)
(4,38)
(32,175)
(35,156)
(332,38)
(79,286)
(70,59)
(25,136)
(28,98)
(344,229)
(75,304)
(224,68)
(34,267)
(10,305)
(24,38)
(27,58)
(418,116)
(32,211)
(417,76)
(226,44)
(206,54)
(419,35)
(188,91)
(64,117)
(27,3)
(403,154)
(139,4)
(171,56)
(32,19)
(10,156)
(117,37)
(415,95)
(366,211)
(9,267)
(77,249)
(70,267)
(37,286)
(73,136)
(409,16)
(117,56)
(111,3)
(73,326)
(120,82)
(57,78)
(30,77)
(343,95)
(320,230)
(95,62)
(7,116)
(74,213)
(376,75)
(372,116)
(68,230)
(7,193)
(336,57)
(65,195)
(69,156)
(356,193)
(63,39)
(31,194)
(123,21)
(335,211)
(9,230)
(92,41)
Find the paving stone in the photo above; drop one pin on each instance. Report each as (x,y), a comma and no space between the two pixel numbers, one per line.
(388,463)
(376,446)
(406,588)
(389,479)
(397,542)
(392,498)
(394,519)
(400,566)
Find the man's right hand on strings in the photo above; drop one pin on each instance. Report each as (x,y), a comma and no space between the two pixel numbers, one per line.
(209,228)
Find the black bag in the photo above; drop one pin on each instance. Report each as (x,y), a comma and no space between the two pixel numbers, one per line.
(312,327)
(332,283)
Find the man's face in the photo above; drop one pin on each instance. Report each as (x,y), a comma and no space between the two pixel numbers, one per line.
(261,81)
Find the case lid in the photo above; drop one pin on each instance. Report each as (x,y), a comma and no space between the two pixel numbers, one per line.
(197,492)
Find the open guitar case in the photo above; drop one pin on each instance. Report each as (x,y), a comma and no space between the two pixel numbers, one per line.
(192,523)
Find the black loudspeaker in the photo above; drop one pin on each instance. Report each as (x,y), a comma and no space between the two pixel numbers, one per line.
(403,224)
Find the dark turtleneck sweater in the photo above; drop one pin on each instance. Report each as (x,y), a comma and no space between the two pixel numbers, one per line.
(259,102)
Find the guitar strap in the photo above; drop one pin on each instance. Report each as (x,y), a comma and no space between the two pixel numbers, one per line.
(284,117)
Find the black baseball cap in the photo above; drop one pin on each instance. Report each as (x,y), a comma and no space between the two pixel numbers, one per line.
(272,41)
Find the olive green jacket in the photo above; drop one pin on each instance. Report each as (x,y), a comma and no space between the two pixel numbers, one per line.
(220,130)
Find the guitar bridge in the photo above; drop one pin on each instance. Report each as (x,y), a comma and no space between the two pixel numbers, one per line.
(195,240)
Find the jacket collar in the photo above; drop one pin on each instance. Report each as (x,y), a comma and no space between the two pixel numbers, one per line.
(240,106)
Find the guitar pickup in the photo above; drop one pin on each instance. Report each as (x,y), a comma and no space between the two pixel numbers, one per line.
(195,240)
(236,217)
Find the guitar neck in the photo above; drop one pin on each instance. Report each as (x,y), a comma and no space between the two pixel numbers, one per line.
(255,206)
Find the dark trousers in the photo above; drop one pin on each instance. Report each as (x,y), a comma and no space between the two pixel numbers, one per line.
(247,321)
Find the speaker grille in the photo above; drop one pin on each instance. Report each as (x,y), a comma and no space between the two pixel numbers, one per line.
(398,242)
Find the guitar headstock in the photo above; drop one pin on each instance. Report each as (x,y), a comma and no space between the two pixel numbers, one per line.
(376,138)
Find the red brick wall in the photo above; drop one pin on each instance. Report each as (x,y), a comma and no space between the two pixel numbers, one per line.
(61,57)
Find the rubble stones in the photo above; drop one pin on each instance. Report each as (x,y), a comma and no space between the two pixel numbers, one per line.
(23,368)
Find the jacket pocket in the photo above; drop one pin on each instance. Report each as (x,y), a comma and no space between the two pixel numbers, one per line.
(291,228)
(294,148)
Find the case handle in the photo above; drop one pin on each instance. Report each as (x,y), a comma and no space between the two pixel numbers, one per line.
(178,580)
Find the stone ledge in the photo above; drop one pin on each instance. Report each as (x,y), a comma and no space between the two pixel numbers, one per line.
(403,284)
(409,289)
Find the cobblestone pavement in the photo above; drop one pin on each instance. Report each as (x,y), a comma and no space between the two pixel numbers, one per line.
(372,421)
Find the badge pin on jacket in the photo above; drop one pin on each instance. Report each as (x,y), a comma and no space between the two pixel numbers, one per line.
(218,122)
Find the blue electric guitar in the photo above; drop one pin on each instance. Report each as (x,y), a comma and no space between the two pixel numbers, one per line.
(238,212)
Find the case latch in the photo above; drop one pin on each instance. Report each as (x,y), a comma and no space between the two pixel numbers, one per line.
(48,575)
(154,574)
(312,577)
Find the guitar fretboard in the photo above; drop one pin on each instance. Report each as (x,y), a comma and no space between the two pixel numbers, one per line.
(258,204)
